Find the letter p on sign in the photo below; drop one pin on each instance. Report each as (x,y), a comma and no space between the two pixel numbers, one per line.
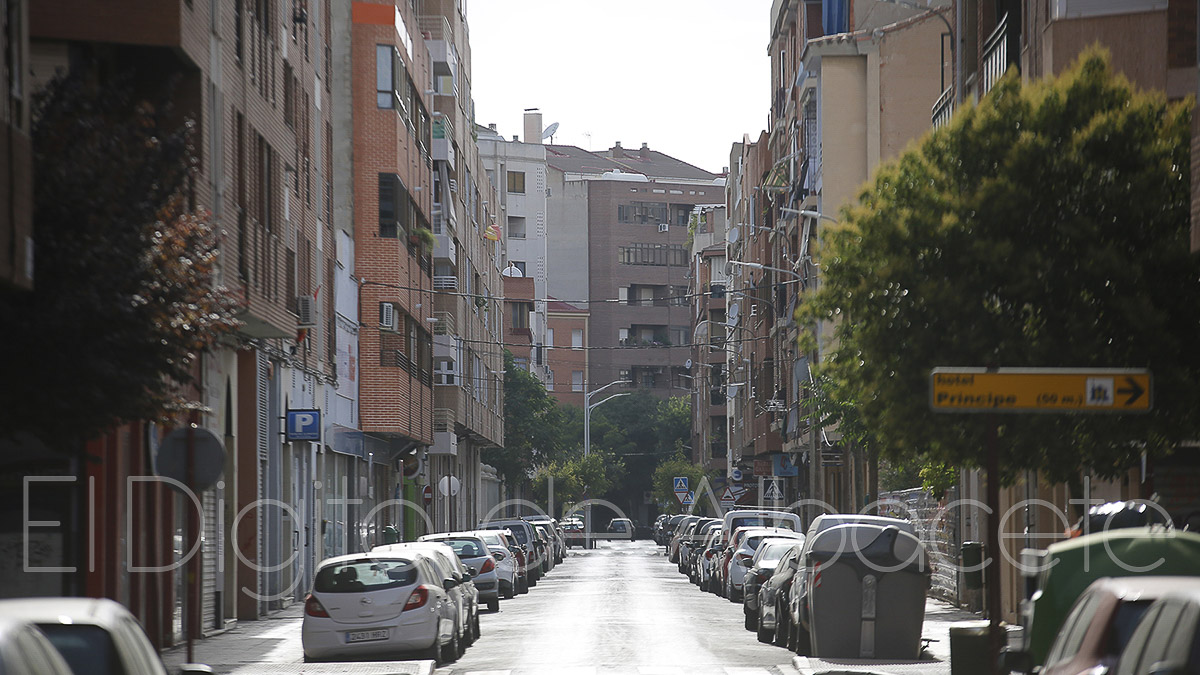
(304,425)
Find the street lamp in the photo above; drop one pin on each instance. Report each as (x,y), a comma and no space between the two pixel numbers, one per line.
(587,439)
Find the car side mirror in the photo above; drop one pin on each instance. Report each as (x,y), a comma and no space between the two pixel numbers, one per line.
(498,555)
(472,573)
(1016,660)
(746,563)
(449,583)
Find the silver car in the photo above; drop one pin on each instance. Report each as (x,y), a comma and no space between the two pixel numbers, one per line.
(474,553)
(463,593)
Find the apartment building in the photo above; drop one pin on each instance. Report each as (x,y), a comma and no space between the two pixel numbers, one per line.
(16,153)
(623,216)
(468,406)
(517,170)
(707,292)
(566,351)
(253,77)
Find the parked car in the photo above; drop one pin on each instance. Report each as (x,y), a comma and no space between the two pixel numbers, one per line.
(742,557)
(548,546)
(507,562)
(760,568)
(797,599)
(707,561)
(526,538)
(573,534)
(668,528)
(758,518)
(696,547)
(1099,625)
(370,605)
(24,650)
(773,615)
(555,534)
(462,593)
(1167,639)
(681,529)
(1115,553)
(476,557)
(96,636)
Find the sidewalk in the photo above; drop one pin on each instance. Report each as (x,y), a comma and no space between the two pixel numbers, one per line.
(939,617)
(272,645)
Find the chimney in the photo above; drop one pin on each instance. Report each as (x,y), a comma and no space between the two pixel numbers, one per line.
(617,152)
(644,153)
(492,126)
(516,138)
(533,126)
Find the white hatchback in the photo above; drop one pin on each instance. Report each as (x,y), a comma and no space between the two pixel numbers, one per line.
(368,605)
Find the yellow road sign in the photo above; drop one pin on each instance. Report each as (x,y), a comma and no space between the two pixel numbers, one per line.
(1006,390)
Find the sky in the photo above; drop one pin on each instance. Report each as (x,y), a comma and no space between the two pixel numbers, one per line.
(688,77)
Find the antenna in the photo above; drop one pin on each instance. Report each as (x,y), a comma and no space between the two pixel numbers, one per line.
(733,313)
(549,132)
(732,235)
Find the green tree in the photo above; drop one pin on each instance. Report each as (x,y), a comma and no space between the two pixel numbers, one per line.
(1046,227)
(663,484)
(125,298)
(532,422)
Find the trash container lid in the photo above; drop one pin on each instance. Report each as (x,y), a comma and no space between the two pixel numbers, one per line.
(969,628)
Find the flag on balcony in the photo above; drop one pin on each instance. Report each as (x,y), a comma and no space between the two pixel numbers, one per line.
(492,232)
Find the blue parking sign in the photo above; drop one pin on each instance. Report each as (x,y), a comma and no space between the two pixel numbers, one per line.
(303,425)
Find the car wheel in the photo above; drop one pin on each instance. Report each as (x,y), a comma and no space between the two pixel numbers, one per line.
(751,621)
(432,653)
(522,585)
(475,627)
(764,634)
(510,593)
(450,650)
(803,642)
(781,627)
(493,605)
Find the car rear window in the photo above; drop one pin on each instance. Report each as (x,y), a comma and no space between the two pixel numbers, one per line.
(356,576)
(466,548)
(518,533)
(1126,619)
(763,521)
(87,649)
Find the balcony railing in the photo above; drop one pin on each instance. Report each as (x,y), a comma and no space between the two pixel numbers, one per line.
(943,109)
(997,53)
(444,324)
(447,283)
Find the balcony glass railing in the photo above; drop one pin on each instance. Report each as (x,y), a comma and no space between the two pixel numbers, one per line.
(943,109)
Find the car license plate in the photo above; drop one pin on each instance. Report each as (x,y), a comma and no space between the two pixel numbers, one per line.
(366,635)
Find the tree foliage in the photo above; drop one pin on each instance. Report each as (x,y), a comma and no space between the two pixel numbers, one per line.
(532,426)
(663,481)
(1046,227)
(125,297)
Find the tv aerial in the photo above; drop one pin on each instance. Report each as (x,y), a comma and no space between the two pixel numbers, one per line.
(549,132)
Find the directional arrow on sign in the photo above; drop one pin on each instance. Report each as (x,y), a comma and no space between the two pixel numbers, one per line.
(1134,390)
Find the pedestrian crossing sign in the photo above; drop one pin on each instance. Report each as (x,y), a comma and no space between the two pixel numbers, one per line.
(689,498)
(681,484)
(772,490)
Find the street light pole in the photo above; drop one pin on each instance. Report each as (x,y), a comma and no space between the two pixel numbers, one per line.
(587,441)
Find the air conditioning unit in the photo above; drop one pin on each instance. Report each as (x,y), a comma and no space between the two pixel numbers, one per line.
(663,227)
(387,316)
(307,311)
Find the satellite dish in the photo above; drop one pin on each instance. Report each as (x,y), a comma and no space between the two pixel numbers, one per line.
(733,313)
(687,364)
(732,235)
(550,131)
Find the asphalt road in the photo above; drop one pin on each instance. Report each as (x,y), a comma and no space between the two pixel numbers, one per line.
(621,608)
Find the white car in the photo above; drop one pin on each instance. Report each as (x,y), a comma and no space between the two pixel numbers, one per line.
(367,605)
(96,636)
(475,556)
(463,593)
(743,555)
(24,650)
(506,562)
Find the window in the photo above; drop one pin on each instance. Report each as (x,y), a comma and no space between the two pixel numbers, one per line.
(576,380)
(520,265)
(394,206)
(549,337)
(674,255)
(521,362)
(516,227)
(577,338)
(516,182)
(520,315)
(642,213)
(384,94)
(623,335)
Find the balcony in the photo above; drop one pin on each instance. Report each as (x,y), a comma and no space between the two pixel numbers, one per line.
(439,40)
(943,109)
(446,283)
(999,51)
(445,324)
